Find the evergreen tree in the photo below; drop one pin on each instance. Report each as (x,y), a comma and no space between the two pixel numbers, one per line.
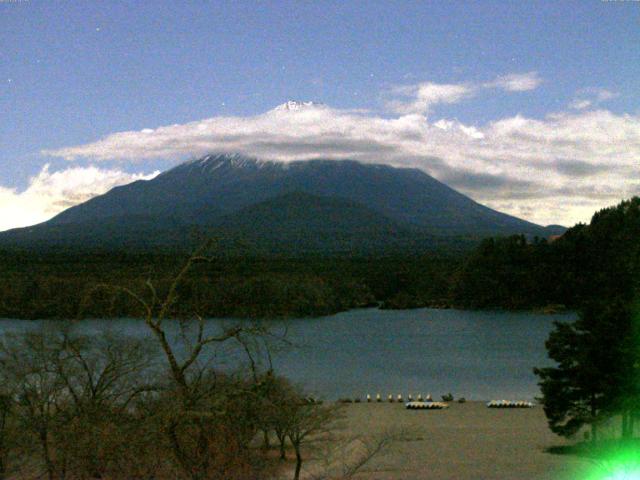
(593,377)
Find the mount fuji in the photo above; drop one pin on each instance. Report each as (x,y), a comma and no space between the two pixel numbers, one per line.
(312,205)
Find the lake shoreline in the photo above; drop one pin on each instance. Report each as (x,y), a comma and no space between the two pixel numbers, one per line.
(545,311)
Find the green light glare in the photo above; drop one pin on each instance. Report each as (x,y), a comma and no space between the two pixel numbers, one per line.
(624,464)
(624,475)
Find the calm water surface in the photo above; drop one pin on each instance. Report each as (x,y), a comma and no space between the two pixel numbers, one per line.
(479,355)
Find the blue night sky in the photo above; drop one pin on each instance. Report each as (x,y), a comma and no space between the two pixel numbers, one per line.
(522,77)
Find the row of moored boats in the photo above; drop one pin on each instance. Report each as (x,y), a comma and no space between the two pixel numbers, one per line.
(509,404)
(491,404)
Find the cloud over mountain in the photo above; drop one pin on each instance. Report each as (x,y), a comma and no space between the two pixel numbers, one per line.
(49,193)
(566,164)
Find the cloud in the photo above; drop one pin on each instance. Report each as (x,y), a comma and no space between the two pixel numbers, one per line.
(580,104)
(601,94)
(49,193)
(588,97)
(464,180)
(578,168)
(516,82)
(422,97)
(565,165)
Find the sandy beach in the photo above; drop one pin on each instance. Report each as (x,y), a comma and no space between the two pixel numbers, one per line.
(467,441)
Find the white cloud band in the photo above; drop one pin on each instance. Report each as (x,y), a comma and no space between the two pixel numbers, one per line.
(50,193)
(557,169)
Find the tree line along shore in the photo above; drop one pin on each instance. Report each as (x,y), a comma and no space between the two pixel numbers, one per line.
(499,273)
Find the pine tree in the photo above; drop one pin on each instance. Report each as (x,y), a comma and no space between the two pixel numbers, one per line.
(596,373)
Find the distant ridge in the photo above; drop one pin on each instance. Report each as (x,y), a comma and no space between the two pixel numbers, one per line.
(319,205)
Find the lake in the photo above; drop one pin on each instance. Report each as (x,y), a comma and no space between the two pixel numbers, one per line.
(478,355)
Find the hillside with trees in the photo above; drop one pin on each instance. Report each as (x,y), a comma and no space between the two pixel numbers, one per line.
(500,273)
(598,259)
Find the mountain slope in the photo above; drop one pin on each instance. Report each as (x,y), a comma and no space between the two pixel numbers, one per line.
(296,222)
(227,193)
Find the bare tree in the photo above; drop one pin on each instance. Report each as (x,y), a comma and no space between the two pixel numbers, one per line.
(272,392)
(102,376)
(306,422)
(105,371)
(72,393)
(27,363)
(279,397)
(197,403)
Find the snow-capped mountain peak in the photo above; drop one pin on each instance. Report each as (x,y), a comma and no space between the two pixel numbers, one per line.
(296,106)
(215,161)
